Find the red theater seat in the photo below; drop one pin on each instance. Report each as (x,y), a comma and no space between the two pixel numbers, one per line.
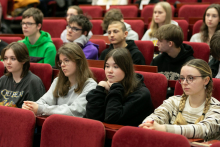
(57,42)
(10,39)
(93,11)
(138,26)
(127,10)
(96,28)
(197,26)
(101,43)
(2,68)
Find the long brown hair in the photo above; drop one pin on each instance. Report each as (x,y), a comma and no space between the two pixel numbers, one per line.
(75,54)
(204,28)
(22,55)
(122,58)
(205,71)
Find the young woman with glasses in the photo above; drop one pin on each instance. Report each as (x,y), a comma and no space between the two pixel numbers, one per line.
(195,114)
(67,94)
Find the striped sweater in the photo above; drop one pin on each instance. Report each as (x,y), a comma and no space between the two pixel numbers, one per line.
(208,129)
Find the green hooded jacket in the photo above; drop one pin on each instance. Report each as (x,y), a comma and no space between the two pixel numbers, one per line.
(43,47)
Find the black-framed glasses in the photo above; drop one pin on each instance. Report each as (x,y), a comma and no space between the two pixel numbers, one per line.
(74,29)
(189,79)
(65,62)
(27,24)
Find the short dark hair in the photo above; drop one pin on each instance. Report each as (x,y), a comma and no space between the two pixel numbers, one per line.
(111,15)
(22,55)
(82,21)
(215,45)
(35,13)
(170,32)
(123,27)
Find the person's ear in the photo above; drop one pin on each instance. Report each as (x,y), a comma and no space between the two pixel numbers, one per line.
(206,80)
(126,34)
(171,43)
(39,26)
(85,33)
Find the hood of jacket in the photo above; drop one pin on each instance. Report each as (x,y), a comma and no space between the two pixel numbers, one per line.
(141,79)
(44,38)
(90,43)
(185,52)
(128,27)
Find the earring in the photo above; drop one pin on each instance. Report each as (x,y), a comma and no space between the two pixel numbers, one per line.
(205,87)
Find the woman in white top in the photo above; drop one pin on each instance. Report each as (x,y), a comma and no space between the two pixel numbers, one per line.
(162,15)
(67,94)
(195,114)
(211,19)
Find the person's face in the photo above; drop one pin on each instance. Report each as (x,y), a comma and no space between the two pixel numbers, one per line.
(116,34)
(212,18)
(70,12)
(159,14)
(74,31)
(11,63)
(195,85)
(163,45)
(113,72)
(29,26)
(68,66)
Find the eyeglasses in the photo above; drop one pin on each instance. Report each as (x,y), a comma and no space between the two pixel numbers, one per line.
(27,24)
(73,29)
(65,62)
(189,79)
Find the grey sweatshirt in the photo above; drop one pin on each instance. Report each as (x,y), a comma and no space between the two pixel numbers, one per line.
(72,104)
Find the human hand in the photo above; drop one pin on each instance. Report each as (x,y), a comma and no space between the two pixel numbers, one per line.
(32,105)
(153,125)
(104,84)
(26,107)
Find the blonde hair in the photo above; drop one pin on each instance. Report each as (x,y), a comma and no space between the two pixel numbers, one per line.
(205,71)
(167,8)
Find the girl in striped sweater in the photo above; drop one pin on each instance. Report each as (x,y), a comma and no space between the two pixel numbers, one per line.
(195,114)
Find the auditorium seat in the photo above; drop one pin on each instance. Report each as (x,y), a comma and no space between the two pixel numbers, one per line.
(2,68)
(182,1)
(57,42)
(101,43)
(17,127)
(215,91)
(201,50)
(68,131)
(5,7)
(10,39)
(147,49)
(197,26)
(98,73)
(129,136)
(185,26)
(93,11)
(137,26)
(96,28)
(54,27)
(44,72)
(127,10)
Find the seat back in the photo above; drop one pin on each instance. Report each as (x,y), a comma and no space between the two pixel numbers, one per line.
(10,39)
(61,130)
(101,43)
(127,10)
(201,50)
(44,72)
(17,127)
(96,27)
(129,136)
(147,12)
(184,26)
(147,49)
(54,27)
(2,68)
(98,73)
(197,26)
(187,11)
(57,42)
(216,144)
(155,82)
(137,26)
(215,91)
(93,11)
(182,1)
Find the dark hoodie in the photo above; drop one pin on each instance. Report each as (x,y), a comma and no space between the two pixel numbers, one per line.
(136,54)
(171,67)
(214,65)
(113,107)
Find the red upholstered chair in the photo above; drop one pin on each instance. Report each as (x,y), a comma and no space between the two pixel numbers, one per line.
(138,26)
(127,10)
(147,49)
(138,137)
(215,144)
(185,26)
(197,26)
(97,28)
(17,127)
(210,1)
(57,42)
(182,1)
(187,11)
(55,73)
(44,72)
(147,12)
(62,130)
(98,73)
(2,68)
(201,50)
(101,43)
(54,27)
(5,7)
(215,91)
(10,39)
(157,85)
(93,11)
